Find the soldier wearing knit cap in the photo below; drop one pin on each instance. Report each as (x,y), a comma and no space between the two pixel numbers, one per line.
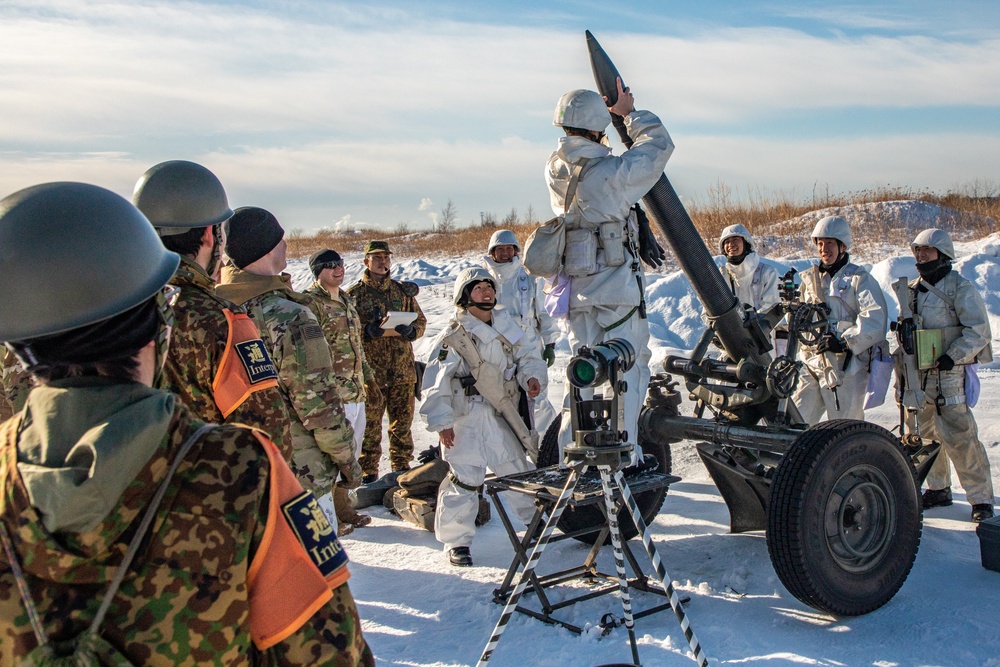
(343,331)
(322,438)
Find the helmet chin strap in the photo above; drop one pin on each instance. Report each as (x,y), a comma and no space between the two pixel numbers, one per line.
(216,259)
(488,305)
(165,312)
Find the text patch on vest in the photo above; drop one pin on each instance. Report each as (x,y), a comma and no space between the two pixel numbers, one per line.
(256,361)
(313,530)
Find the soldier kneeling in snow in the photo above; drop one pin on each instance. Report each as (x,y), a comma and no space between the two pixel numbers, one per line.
(481,368)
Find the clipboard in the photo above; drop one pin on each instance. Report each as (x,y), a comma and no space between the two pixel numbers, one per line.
(394,318)
(929,348)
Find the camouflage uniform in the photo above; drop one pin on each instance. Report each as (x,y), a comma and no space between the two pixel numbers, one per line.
(197,343)
(391,360)
(343,330)
(320,433)
(15,383)
(187,598)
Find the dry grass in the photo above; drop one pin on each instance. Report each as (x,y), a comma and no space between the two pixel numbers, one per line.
(972,212)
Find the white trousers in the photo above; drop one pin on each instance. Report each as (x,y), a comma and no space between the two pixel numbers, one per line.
(587,328)
(355,413)
(457,507)
(955,428)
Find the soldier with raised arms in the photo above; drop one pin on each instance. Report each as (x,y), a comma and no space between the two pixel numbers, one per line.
(949,318)
(217,363)
(198,540)
(603,281)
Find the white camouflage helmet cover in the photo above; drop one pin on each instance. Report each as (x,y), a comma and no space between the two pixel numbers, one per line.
(935,238)
(503,237)
(584,109)
(735,230)
(467,276)
(833,227)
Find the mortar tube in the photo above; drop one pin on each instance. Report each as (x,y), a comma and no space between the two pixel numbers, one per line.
(664,207)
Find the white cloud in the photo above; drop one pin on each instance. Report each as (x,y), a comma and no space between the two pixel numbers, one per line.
(348,109)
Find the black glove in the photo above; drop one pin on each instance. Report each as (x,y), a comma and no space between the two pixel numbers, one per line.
(407,331)
(650,250)
(945,363)
(429,454)
(830,343)
(373,330)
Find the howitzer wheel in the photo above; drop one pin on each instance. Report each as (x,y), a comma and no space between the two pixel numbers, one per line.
(586,516)
(844,519)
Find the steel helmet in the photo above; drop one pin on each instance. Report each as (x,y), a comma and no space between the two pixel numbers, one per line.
(935,238)
(584,109)
(736,230)
(73,254)
(503,237)
(178,196)
(468,277)
(833,227)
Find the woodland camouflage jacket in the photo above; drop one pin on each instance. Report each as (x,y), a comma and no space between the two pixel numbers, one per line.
(186,597)
(197,343)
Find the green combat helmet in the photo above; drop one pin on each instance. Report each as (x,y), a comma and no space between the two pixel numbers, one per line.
(111,255)
(178,196)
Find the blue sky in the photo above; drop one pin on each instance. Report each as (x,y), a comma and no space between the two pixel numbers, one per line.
(378,113)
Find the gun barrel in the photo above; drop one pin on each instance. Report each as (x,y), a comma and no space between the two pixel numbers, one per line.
(668,213)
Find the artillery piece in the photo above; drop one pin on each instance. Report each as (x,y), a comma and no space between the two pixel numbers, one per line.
(839,501)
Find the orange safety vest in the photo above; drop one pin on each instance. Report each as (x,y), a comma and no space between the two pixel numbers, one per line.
(299,560)
(246,366)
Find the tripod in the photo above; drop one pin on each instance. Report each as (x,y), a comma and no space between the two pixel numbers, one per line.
(600,444)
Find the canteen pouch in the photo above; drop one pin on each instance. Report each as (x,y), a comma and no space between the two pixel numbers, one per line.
(612,241)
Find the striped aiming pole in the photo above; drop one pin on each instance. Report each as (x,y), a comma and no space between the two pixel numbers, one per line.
(661,571)
(529,567)
(616,545)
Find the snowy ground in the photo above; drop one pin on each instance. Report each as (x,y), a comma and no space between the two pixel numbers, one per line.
(418,610)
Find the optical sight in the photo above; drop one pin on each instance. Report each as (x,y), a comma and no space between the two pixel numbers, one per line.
(592,365)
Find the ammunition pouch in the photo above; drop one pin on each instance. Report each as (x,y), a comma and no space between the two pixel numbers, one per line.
(582,244)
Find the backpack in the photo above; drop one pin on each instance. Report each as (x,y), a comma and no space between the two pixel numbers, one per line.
(415,499)
(90,649)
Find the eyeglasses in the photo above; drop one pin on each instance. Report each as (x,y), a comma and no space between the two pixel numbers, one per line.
(331,265)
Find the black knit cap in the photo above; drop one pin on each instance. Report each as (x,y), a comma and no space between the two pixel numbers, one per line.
(250,234)
(320,258)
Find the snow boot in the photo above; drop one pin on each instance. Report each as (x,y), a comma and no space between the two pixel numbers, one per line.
(460,557)
(937,498)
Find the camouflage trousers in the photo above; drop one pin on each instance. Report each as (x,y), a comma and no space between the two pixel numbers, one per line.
(397,399)
(315,469)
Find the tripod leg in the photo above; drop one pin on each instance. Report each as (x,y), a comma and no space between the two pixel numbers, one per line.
(661,571)
(536,553)
(616,544)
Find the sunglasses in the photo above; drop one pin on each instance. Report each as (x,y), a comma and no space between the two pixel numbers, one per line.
(331,265)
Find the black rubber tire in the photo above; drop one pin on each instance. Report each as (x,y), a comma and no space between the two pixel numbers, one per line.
(573,519)
(844,520)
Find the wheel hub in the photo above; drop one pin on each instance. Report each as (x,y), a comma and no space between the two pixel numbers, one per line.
(860,518)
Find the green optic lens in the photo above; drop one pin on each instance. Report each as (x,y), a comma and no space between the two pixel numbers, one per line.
(584,373)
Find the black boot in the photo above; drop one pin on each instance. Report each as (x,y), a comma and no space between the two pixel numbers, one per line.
(981,512)
(460,556)
(937,497)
